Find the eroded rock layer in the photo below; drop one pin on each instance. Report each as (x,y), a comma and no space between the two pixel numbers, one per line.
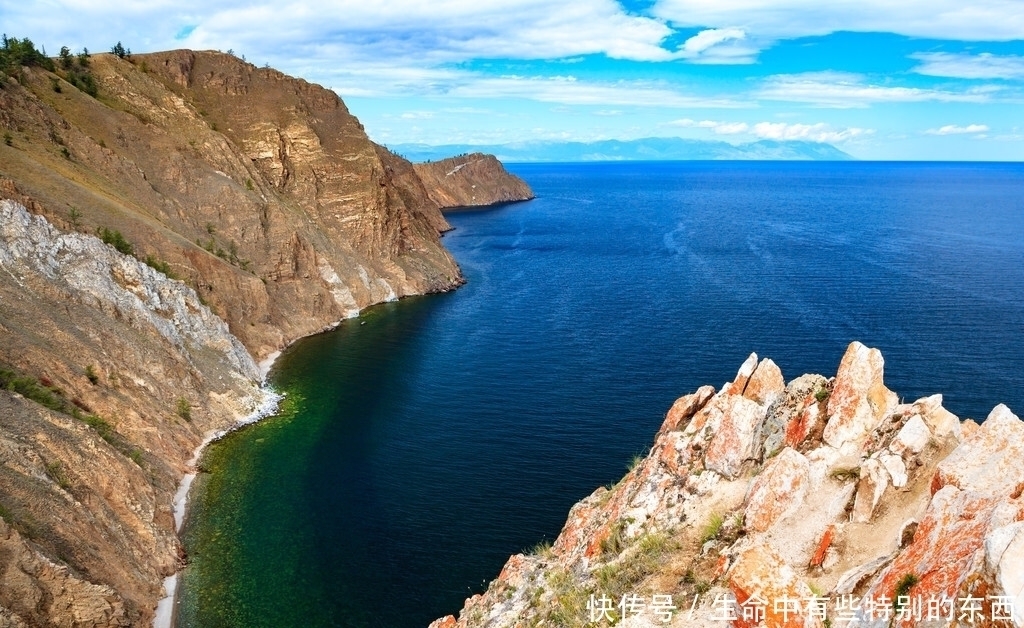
(259,190)
(824,502)
(471,180)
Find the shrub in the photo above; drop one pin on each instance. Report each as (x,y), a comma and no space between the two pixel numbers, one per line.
(90,373)
(8,139)
(116,240)
(184,409)
(160,266)
(712,528)
(822,394)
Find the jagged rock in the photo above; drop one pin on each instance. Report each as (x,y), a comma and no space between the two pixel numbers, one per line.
(766,383)
(874,479)
(965,539)
(746,371)
(912,438)
(778,491)
(733,441)
(1004,564)
(939,420)
(760,577)
(685,407)
(859,399)
(989,460)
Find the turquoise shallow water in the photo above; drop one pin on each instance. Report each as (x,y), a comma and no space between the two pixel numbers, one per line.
(422,444)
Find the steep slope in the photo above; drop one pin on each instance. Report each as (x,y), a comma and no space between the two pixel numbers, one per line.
(111,373)
(471,180)
(224,193)
(821,502)
(259,190)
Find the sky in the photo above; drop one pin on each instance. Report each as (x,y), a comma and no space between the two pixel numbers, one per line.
(879,79)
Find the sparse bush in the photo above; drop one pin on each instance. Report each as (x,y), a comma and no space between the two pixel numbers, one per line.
(65,152)
(56,472)
(822,394)
(90,373)
(712,528)
(8,139)
(184,409)
(117,240)
(159,265)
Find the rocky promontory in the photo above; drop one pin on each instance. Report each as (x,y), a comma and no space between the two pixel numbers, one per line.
(821,502)
(471,180)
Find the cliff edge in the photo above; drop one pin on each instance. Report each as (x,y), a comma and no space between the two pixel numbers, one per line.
(165,221)
(472,180)
(821,502)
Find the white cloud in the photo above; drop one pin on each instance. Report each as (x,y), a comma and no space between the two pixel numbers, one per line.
(844,90)
(952,129)
(568,90)
(718,45)
(980,66)
(819,132)
(348,30)
(978,20)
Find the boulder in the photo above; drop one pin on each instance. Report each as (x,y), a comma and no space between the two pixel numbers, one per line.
(859,400)
(733,441)
(991,458)
(766,384)
(778,491)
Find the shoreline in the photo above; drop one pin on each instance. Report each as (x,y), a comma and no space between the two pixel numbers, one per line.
(165,608)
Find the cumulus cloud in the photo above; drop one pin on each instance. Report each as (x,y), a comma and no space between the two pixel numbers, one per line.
(718,45)
(846,90)
(969,66)
(952,129)
(783,131)
(978,20)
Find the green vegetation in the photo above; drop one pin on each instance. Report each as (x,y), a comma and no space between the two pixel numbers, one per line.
(17,53)
(55,470)
(641,560)
(90,373)
(30,388)
(120,51)
(903,588)
(616,540)
(160,265)
(712,528)
(116,240)
(249,186)
(8,138)
(43,392)
(184,409)
(635,462)
(542,549)
(822,394)
(65,152)
(73,217)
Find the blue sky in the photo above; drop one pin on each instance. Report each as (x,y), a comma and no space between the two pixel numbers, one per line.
(880,79)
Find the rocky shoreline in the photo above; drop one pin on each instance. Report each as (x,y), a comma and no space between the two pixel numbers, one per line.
(821,502)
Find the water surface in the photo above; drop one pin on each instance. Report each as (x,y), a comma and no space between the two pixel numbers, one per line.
(426,441)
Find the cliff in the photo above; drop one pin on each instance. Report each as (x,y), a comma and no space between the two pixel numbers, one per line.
(258,190)
(818,503)
(471,180)
(156,238)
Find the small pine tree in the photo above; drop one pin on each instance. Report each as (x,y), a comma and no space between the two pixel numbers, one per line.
(120,51)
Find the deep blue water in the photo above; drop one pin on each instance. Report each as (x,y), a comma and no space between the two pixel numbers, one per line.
(427,441)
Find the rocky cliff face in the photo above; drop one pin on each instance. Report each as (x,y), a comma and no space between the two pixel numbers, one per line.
(823,502)
(471,180)
(262,213)
(112,373)
(259,190)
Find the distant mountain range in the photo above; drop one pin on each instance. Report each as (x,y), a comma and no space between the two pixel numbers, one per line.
(647,149)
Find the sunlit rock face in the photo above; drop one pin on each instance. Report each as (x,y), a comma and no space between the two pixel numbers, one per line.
(819,502)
